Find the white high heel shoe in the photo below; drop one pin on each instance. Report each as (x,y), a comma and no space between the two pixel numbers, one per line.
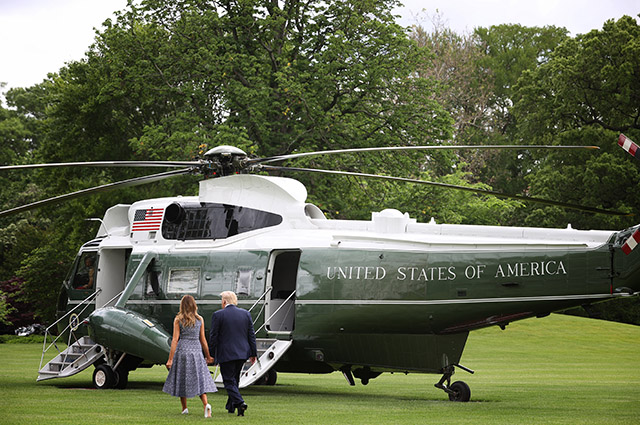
(207,411)
(185,412)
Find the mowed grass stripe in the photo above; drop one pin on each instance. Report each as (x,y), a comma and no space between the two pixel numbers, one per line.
(555,370)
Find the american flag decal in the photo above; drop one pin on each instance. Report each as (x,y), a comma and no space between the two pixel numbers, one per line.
(147,220)
(629,146)
(631,243)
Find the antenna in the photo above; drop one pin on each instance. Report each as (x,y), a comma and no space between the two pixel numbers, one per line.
(106,230)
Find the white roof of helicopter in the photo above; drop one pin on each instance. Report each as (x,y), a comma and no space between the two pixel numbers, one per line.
(287,198)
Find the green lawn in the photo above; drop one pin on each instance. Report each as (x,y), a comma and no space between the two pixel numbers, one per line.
(556,370)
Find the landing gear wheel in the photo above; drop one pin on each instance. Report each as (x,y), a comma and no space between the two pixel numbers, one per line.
(459,391)
(104,377)
(272,377)
(123,379)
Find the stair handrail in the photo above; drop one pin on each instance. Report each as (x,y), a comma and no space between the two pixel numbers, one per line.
(84,354)
(135,278)
(277,310)
(86,302)
(263,304)
(261,296)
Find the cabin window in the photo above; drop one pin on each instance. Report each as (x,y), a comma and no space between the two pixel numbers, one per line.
(204,220)
(183,281)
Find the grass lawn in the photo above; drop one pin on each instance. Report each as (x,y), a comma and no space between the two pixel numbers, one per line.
(556,370)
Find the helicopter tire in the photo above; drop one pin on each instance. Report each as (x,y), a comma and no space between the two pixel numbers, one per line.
(460,391)
(272,377)
(104,377)
(123,378)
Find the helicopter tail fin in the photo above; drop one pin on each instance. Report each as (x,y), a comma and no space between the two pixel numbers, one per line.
(631,242)
(634,150)
(629,146)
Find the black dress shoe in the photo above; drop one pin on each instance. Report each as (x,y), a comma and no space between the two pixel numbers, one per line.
(241,408)
(231,409)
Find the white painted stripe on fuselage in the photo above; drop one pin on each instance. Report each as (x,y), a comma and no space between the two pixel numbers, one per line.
(455,301)
(393,302)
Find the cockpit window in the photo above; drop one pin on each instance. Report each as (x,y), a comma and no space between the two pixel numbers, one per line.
(85,274)
(192,221)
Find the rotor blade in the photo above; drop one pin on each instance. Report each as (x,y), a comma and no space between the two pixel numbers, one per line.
(117,185)
(104,164)
(452,186)
(406,148)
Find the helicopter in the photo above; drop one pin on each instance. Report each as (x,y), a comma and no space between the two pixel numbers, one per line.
(361,297)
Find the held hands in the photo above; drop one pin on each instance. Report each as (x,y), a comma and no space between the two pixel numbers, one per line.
(210,360)
(253,359)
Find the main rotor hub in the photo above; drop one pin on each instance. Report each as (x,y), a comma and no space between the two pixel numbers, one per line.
(224,161)
(224,150)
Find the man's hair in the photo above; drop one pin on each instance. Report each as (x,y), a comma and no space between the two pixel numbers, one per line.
(230,297)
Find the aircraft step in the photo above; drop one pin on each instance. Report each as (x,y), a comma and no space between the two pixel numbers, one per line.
(76,358)
(269,352)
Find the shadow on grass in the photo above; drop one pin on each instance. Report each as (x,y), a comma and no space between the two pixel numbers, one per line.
(132,385)
(347,394)
(289,391)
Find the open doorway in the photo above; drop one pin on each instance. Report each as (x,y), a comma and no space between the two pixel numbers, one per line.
(111,274)
(280,304)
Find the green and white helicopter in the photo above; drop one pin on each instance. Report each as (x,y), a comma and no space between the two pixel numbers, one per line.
(361,297)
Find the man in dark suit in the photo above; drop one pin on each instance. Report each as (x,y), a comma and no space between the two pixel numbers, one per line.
(232,341)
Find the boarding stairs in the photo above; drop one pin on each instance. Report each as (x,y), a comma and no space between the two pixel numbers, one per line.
(75,358)
(81,351)
(270,350)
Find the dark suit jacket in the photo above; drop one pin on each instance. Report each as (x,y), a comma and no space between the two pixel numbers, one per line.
(232,336)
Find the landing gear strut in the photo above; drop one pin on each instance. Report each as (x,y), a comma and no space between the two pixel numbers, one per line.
(459,390)
(109,375)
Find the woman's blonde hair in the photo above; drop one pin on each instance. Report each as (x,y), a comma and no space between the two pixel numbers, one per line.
(188,310)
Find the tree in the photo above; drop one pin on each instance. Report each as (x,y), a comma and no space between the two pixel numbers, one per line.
(168,80)
(5,309)
(510,50)
(475,75)
(586,93)
(465,86)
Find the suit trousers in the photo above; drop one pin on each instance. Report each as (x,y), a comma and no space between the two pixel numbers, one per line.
(231,377)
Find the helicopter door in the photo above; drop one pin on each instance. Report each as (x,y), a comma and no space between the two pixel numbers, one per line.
(280,304)
(111,274)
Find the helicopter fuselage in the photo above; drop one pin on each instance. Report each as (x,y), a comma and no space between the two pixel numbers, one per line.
(387,294)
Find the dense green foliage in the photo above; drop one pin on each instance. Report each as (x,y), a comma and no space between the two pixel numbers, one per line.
(588,91)
(169,80)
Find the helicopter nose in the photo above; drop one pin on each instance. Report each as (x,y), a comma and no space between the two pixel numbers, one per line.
(129,332)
